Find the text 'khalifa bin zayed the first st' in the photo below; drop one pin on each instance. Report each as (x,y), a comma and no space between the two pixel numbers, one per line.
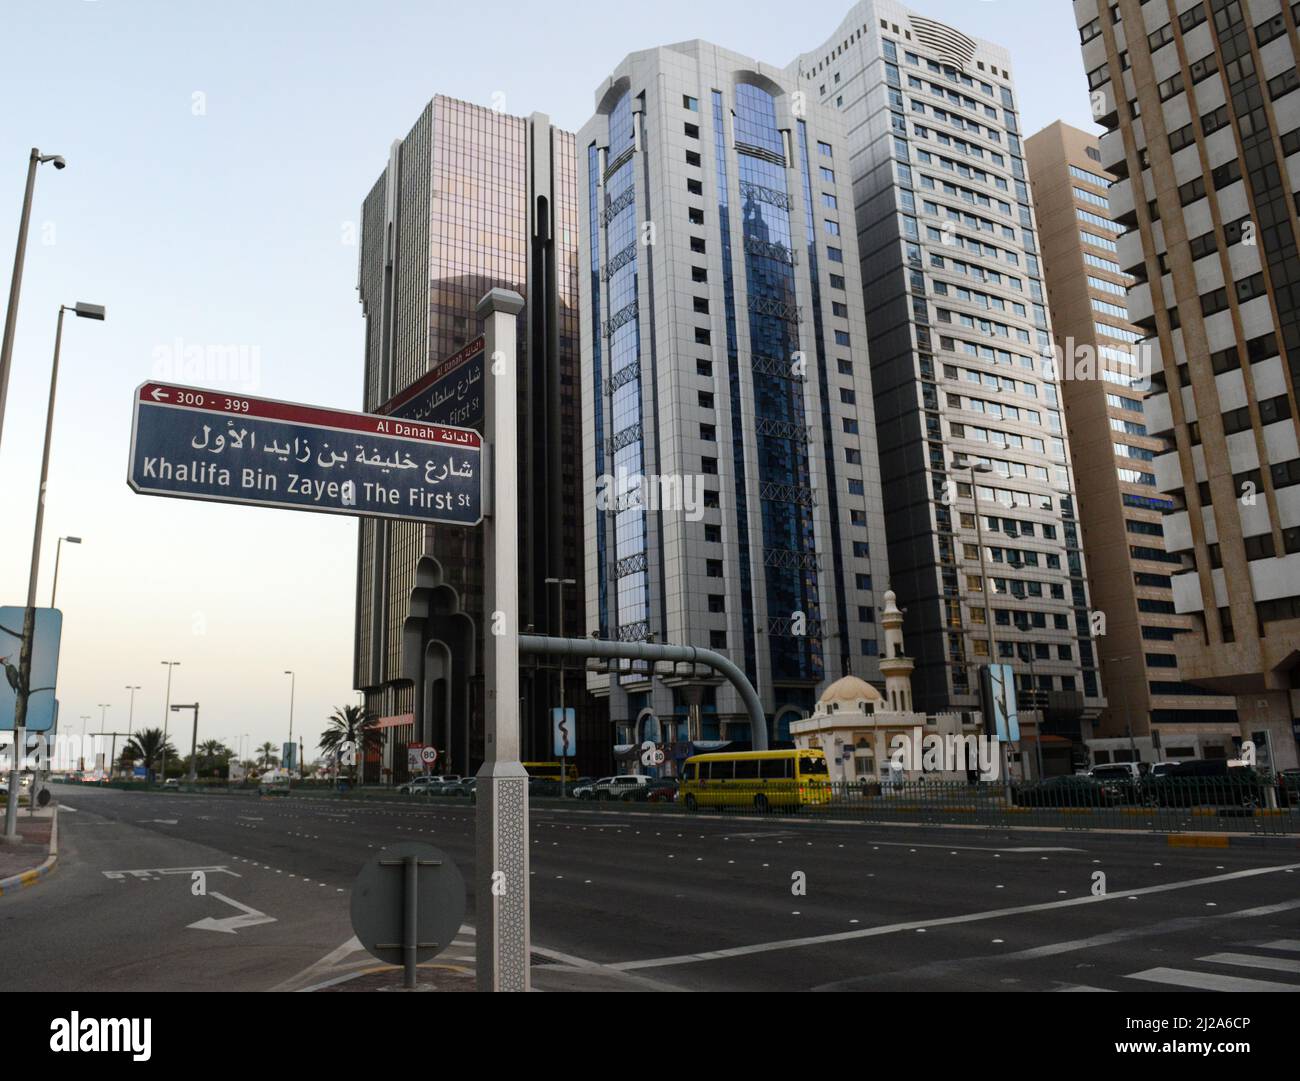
(204,444)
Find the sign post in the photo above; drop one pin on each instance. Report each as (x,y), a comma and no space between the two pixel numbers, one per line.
(501,868)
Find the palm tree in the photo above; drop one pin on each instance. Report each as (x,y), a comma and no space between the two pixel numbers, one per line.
(266,756)
(212,752)
(350,727)
(147,743)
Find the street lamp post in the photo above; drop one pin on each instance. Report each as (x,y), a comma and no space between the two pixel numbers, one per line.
(293,680)
(1123,697)
(103,720)
(560,583)
(16,282)
(81,758)
(58,552)
(130,716)
(167,703)
(194,738)
(965,465)
(83,311)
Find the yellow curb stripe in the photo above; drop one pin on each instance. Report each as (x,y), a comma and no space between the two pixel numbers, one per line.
(1206,840)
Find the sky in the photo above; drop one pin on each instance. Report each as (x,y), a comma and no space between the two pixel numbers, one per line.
(217,159)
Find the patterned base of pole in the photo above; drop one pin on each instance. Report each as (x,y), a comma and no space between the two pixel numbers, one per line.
(503,934)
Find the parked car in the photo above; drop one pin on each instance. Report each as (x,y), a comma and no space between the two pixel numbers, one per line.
(588,790)
(656,790)
(1123,780)
(1211,782)
(1288,787)
(432,785)
(1074,791)
(271,784)
(616,787)
(172,782)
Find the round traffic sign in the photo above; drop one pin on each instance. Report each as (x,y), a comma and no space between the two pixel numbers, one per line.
(429,755)
(382,892)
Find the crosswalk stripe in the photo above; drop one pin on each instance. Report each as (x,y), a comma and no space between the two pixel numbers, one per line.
(1282,944)
(1208,981)
(1250,960)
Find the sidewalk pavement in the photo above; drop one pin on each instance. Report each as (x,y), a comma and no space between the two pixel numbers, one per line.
(24,864)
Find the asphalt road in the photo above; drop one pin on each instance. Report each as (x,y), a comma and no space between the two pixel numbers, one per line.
(654,901)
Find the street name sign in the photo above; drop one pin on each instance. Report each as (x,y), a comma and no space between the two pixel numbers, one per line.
(193,443)
(451,392)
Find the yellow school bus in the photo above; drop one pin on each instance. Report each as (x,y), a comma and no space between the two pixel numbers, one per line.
(762,780)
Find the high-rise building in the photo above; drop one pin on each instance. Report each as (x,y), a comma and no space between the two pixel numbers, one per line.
(1103,381)
(988,561)
(724,357)
(1201,102)
(471,199)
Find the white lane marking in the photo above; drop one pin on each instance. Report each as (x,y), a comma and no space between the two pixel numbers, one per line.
(248,917)
(1282,944)
(1208,981)
(161,821)
(1248,960)
(151,872)
(912,925)
(1082,987)
(65,807)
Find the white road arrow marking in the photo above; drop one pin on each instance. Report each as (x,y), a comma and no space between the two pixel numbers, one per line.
(250,918)
(162,821)
(159,395)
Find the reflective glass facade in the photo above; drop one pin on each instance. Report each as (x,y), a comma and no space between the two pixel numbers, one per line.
(716,363)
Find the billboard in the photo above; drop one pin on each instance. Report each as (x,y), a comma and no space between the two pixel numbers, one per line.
(1000,695)
(41,708)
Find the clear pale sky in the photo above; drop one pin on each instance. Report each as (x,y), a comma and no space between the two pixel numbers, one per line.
(226,220)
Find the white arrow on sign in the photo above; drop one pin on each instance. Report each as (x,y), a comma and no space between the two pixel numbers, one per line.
(159,395)
(250,918)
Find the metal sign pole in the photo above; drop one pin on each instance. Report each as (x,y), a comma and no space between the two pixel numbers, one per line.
(501,868)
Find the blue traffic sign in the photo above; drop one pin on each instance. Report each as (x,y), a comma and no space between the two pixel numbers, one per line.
(203,444)
(451,392)
(42,709)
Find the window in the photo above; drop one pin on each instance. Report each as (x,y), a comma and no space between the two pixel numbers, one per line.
(835,255)
(832,227)
(691,103)
(697,244)
(692,131)
(824,149)
(699,274)
(713,569)
(696,215)
(695,187)
(692,157)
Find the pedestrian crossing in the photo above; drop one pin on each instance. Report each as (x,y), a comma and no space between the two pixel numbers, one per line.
(1268,964)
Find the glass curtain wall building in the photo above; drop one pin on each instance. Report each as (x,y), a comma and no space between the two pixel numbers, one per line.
(961,356)
(728,436)
(1201,106)
(1103,382)
(471,199)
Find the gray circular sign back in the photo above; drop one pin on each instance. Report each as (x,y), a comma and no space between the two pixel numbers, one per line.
(379,899)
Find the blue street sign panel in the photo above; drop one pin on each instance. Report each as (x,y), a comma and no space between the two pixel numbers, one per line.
(1002,693)
(205,444)
(451,392)
(41,707)
(563,729)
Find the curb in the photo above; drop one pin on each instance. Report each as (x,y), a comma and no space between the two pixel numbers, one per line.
(29,878)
